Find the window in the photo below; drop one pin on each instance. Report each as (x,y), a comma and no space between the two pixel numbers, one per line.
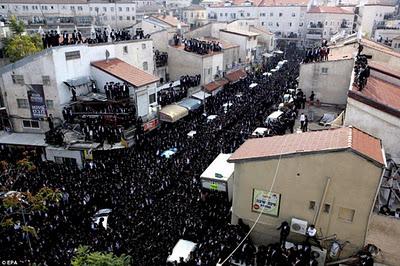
(290,24)
(301,24)
(50,104)
(311,205)
(262,23)
(226,14)
(105,18)
(128,18)
(120,18)
(18,79)
(80,8)
(133,17)
(324,70)
(72,8)
(346,214)
(293,14)
(104,9)
(143,46)
(30,124)
(220,14)
(152,98)
(112,17)
(248,14)
(90,9)
(327,208)
(271,14)
(262,14)
(145,66)
(72,55)
(125,49)
(270,24)
(120,9)
(280,14)
(209,71)
(46,80)
(23,103)
(112,9)
(127,9)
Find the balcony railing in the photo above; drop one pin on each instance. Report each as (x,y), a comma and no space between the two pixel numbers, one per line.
(314,36)
(318,25)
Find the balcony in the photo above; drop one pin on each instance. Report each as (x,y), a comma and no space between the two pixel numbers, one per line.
(317,26)
(282,35)
(314,36)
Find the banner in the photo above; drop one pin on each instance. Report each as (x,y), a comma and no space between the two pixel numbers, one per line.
(269,201)
(152,124)
(37,101)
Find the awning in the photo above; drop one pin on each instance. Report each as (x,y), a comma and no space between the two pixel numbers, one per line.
(214,85)
(172,113)
(78,81)
(190,103)
(93,97)
(168,85)
(23,139)
(236,75)
(201,95)
(182,249)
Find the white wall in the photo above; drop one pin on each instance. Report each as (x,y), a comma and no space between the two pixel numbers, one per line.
(52,152)
(377,123)
(328,88)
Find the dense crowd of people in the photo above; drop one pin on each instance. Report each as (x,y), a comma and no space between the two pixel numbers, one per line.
(155,201)
(54,38)
(116,91)
(317,54)
(201,47)
(175,94)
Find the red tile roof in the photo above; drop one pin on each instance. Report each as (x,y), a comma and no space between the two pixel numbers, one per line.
(212,86)
(329,9)
(379,94)
(384,69)
(283,3)
(236,75)
(125,72)
(346,138)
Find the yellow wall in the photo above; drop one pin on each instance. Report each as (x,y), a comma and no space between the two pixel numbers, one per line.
(302,179)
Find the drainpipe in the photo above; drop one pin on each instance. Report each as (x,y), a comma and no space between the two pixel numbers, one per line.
(376,196)
(322,202)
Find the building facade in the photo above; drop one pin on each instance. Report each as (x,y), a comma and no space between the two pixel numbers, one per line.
(312,178)
(51,71)
(247,41)
(194,16)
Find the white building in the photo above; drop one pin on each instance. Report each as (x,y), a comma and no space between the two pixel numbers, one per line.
(370,14)
(194,16)
(376,109)
(324,22)
(177,3)
(52,70)
(181,62)
(247,41)
(119,13)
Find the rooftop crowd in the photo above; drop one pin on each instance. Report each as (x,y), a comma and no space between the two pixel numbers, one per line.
(155,201)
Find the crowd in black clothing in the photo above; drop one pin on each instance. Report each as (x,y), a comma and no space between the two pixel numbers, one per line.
(95,130)
(190,81)
(155,201)
(361,71)
(317,54)
(116,91)
(161,58)
(201,47)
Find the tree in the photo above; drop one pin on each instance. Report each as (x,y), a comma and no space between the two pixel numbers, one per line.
(19,45)
(85,257)
(17,27)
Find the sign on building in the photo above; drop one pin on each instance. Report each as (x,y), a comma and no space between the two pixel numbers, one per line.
(266,202)
(37,101)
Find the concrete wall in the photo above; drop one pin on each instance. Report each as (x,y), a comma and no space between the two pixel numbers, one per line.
(160,40)
(384,232)
(376,123)
(371,14)
(242,41)
(181,63)
(231,57)
(208,30)
(301,179)
(329,88)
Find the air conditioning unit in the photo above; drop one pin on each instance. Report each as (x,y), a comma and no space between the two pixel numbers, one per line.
(298,226)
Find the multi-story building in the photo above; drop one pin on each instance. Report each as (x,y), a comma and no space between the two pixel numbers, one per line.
(247,41)
(370,14)
(324,22)
(52,73)
(173,4)
(117,14)
(194,16)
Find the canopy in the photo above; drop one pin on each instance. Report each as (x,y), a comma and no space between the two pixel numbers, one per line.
(182,249)
(274,70)
(275,115)
(267,55)
(172,113)
(201,95)
(278,52)
(169,85)
(190,103)
(23,139)
(191,133)
(77,82)
(168,153)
